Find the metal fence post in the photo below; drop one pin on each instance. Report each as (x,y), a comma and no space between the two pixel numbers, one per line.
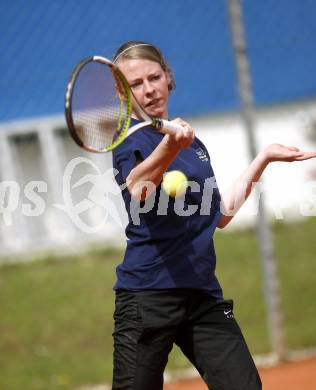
(270,280)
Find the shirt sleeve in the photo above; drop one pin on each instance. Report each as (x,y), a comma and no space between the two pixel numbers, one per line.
(126,155)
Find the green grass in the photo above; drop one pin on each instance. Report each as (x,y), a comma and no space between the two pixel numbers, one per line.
(56,314)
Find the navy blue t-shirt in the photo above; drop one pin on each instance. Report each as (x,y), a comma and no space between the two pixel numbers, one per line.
(169,240)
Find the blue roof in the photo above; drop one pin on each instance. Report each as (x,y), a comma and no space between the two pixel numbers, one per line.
(41,42)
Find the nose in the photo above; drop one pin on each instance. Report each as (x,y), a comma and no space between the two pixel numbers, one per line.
(148,87)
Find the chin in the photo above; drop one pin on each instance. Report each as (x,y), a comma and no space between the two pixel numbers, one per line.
(157,113)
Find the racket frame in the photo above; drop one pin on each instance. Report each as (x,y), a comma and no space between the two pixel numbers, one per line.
(159,124)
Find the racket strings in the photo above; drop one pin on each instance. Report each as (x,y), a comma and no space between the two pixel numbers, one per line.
(100,107)
(97,128)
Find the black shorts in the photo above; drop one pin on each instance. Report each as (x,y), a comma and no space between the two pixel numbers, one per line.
(148,322)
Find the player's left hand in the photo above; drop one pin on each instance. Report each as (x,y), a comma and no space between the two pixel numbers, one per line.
(278,152)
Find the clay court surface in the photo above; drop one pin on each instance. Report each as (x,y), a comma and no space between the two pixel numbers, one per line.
(286,376)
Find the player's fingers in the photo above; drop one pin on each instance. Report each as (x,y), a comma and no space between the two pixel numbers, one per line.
(179,121)
(293,148)
(183,123)
(186,136)
(188,131)
(305,156)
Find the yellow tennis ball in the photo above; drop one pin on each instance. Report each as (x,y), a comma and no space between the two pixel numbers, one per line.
(175,183)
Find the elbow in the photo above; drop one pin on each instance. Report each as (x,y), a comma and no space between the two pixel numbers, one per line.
(224,221)
(137,194)
(139,190)
(221,225)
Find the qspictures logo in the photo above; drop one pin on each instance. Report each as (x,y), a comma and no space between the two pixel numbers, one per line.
(97,189)
(101,189)
(100,193)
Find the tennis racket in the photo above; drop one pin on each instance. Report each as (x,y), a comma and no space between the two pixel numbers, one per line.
(99,104)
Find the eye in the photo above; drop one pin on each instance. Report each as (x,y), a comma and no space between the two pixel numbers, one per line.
(136,84)
(156,77)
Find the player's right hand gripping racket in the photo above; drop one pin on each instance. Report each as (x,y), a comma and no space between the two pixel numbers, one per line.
(99,104)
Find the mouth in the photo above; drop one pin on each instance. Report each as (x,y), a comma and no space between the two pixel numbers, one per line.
(153,102)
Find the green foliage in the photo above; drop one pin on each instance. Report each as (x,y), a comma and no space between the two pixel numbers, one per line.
(56,314)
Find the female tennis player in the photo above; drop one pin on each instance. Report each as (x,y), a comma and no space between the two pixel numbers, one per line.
(166,289)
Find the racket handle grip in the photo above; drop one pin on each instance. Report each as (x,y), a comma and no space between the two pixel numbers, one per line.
(169,127)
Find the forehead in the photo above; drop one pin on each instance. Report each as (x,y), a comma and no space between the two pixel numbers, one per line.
(138,68)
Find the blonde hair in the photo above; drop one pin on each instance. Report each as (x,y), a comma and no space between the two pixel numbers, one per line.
(145,51)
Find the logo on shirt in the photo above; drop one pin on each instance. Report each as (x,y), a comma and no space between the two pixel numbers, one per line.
(201,154)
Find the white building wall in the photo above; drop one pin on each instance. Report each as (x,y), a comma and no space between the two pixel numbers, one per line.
(39,154)
(290,189)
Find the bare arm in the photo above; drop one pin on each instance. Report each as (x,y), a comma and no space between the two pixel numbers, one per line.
(238,193)
(151,170)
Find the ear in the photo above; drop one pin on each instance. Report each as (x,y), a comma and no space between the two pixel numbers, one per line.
(169,80)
